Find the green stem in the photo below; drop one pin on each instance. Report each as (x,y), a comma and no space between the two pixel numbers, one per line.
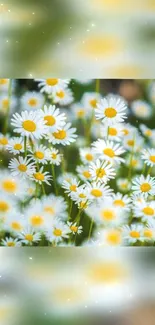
(25,150)
(97,86)
(90,229)
(54,180)
(43,188)
(130,166)
(8,109)
(149,170)
(70,210)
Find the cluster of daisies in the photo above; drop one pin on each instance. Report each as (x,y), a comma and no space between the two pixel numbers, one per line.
(78,173)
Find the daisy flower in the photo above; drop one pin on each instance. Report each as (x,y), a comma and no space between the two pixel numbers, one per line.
(144,185)
(14,222)
(52,118)
(54,206)
(123,184)
(70,185)
(148,155)
(144,209)
(148,133)
(79,111)
(41,177)
(108,150)
(90,100)
(50,85)
(54,157)
(133,142)
(4,140)
(110,237)
(7,204)
(101,171)
(134,161)
(35,217)
(74,228)
(65,177)
(111,110)
(63,96)
(80,195)
(113,132)
(84,173)
(57,232)
(148,233)
(15,145)
(141,109)
(132,234)
(32,100)
(4,84)
(39,154)
(98,191)
(121,201)
(20,166)
(64,136)
(29,124)
(87,155)
(127,129)
(12,185)
(108,214)
(6,103)
(29,236)
(10,242)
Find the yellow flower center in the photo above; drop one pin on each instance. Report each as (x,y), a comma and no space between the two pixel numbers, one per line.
(86,174)
(22,168)
(145,187)
(148,233)
(61,94)
(9,186)
(39,176)
(149,211)
(82,196)
(83,205)
(57,232)
(109,152)
(119,203)
(39,155)
(101,46)
(37,220)
(148,133)
(125,131)
(131,143)
(73,188)
(89,156)
(54,155)
(112,131)
(108,215)
(4,207)
(17,146)
(3,81)
(3,141)
(74,228)
(51,82)
(32,102)
(93,103)
(152,158)
(134,234)
(10,244)
(80,113)
(134,162)
(61,134)
(49,210)
(29,237)
(16,226)
(114,237)
(110,112)
(50,120)
(100,172)
(29,126)
(5,103)
(96,192)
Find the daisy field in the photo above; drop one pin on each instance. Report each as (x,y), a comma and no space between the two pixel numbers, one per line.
(77,162)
